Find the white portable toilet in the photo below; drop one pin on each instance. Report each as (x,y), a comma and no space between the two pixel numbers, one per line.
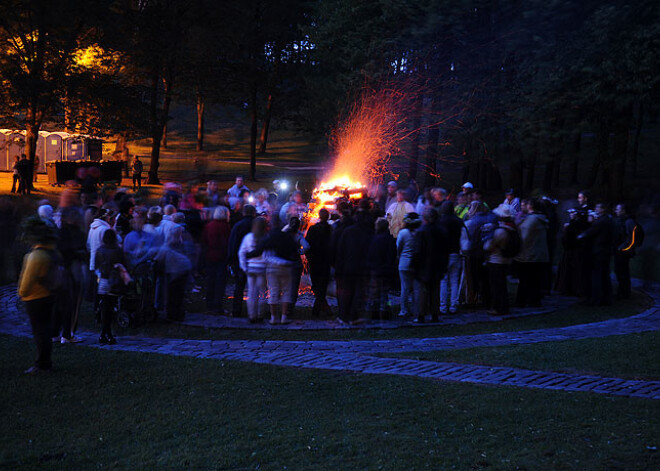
(5,162)
(54,146)
(15,141)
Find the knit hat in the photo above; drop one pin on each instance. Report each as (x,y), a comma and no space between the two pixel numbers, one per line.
(412,220)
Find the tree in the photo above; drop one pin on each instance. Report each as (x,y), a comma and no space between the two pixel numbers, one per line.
(39,42)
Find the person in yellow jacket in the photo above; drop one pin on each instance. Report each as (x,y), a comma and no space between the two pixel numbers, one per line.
(38,299)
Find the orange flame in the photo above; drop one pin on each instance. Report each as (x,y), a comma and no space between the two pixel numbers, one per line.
(363,145)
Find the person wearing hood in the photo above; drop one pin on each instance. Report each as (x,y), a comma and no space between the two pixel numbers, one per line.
(533,257)
(599,237)
(46,214)
(33,289)
(100,224)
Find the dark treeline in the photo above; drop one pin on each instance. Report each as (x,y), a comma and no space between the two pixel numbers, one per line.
(518,83)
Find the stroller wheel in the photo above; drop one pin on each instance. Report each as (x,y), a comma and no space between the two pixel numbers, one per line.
(123,319)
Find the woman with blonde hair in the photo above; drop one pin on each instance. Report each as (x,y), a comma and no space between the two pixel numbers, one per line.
(215,239)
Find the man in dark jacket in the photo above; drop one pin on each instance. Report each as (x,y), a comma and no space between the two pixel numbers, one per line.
(452,225)
(381,260)
(430,265)
(624,227)
(240,230)
(318,256)
(600,237)
(351,267)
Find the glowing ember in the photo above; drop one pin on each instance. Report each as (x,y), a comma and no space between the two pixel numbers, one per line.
(363,145)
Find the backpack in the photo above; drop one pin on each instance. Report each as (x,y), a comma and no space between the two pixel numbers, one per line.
(637,238)
(54,279)
(513,243)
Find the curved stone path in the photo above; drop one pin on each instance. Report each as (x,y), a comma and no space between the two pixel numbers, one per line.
(356,356)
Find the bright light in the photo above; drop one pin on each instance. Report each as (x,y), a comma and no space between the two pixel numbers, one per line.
(284,186)
(251,199)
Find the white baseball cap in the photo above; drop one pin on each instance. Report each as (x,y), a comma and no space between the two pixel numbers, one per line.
(467,185)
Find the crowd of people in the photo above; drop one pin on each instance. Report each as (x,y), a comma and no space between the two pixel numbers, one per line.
(442,252)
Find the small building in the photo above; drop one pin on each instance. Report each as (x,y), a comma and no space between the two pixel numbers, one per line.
(5,162)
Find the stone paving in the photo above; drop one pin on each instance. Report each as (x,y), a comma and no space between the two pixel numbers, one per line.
(356,356)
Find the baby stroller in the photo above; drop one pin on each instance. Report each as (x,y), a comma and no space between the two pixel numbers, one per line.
(136,306)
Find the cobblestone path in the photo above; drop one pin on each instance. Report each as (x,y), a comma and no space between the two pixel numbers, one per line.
(357,356)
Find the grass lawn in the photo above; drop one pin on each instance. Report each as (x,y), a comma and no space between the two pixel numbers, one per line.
(626,356)
(576,314)
(117,410)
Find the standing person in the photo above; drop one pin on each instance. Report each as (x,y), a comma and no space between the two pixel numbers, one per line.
(139,244)
(476,273)
(318,256)
(351,268)
(600,238)
(254,267)
(177,268)
(281,254)
(574,270)
(512,201)
(238,232)
(397,211)
(462,205)
(24,175)
(137,168)
(430,265)
(212,193)
(625,249)
(293,229)
(533,258)
(501,249)
(33,289)
(72,247)
(106,260)
(405,247)
(294,208)
(449,285)
(390,198)
(16,178)
(239,185)
(381,260)
(215,240)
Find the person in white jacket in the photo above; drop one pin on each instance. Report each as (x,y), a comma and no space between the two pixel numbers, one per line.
(254,267)
(100,224)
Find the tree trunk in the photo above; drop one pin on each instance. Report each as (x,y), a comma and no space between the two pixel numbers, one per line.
(417,123)
(516,169)
(200,123)
(531,173)
(548,174)
(266,125)
(431,156)
(164,144)
(617,163)
(32,125)
(602,143)
(638,131)
(253,134)
(159,123)
(576,141)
